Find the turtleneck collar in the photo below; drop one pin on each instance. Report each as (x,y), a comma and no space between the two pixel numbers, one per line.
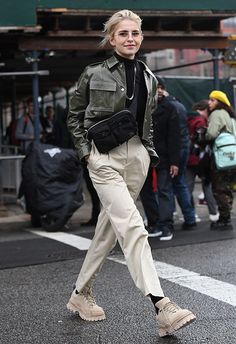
(127,62)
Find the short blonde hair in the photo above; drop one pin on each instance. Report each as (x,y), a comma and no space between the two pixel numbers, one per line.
(116,18)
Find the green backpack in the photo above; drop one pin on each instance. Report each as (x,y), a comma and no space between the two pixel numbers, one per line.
(224,150)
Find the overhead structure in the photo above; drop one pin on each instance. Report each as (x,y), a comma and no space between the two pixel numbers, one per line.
(66,34)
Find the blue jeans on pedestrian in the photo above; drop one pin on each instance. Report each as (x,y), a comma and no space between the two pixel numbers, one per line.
(181,190)
(158,205)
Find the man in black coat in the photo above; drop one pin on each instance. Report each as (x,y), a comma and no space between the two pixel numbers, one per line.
(159,207)
(180,186)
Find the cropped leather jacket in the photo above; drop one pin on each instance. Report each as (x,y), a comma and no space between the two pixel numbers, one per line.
(101,92)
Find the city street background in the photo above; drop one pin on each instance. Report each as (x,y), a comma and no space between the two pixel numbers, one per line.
(37,273)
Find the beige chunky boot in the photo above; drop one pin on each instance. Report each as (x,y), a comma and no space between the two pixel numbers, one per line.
(171,317)
(84,303)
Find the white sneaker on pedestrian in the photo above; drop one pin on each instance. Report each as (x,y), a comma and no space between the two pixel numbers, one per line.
(214,217)
(171,317)
(197,218)
(153,232)
(166,236)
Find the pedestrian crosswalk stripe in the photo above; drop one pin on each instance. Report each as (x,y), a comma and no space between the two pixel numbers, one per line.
(66,238)
(219,290)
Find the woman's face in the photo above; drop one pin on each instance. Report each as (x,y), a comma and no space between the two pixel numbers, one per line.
(212,103)
(126,39)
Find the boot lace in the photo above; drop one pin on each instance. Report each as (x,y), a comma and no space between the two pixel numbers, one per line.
(171,307)
(88,295)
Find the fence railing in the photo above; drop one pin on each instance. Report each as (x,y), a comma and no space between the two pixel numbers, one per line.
(10,172)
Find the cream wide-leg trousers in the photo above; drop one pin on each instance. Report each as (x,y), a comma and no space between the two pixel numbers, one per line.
(118,178)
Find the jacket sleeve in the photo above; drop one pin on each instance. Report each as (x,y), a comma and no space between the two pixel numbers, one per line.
(215,124)
(75,119)
(149,144)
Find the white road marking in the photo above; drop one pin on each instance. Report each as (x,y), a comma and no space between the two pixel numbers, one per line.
(214,288)
(69,239)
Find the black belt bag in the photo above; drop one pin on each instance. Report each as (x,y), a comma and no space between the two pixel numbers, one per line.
(113,131)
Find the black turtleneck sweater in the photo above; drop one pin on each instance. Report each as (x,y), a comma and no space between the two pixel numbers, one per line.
(138,104)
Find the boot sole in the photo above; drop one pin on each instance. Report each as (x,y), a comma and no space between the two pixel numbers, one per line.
(187,320)
(74,310)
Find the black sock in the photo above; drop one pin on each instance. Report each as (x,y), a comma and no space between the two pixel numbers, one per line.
(155,299)
(74,288)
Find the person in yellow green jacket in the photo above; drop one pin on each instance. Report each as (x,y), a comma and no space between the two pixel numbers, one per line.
(220,120)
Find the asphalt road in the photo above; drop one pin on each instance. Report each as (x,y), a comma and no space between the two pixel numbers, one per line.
(197,270)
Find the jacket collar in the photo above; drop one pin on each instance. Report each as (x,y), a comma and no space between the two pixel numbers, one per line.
(112,61)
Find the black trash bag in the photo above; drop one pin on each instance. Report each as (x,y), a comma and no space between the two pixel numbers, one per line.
(52,180)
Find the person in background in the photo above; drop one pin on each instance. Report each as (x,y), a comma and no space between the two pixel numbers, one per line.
(180,187)
(220,119)
(198,161)
(25,134)
(170,122)
(25,127)
(149,198)
(104,89)
(166,138)
(48,126)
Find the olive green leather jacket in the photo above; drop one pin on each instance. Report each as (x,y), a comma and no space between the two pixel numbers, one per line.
(101,92)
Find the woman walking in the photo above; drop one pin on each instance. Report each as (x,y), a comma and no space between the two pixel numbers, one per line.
(104,89)
(220,120)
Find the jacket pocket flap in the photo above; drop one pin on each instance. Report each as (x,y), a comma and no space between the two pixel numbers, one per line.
(102,85)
